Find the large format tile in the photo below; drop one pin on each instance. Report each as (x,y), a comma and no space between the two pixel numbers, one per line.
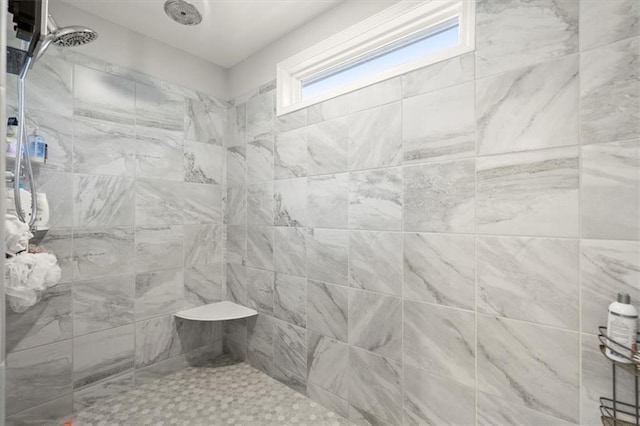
(290,154)
(328,363)
(375,137)
(290,348)
(327,309)
(101,147)
(103,201)
(516,33)
(260,247)
(158,247)
(260,112)
(496,411)
(433,400)
(260,159)
(98,393)
(260,204)
(260,290)
(235,206)
(440,269)
(540,94)
(610,92)
(375,261)
(327,201)
(260,331)
(159,153)
(375,385)
(607,268)
(57,131)
(290,202)
(440,340)
(102,304)
(290,251)
(59,190)
(530,279)
(327,255)
(203,284)
(236,246)
(103,96)
(604,22)
(202,244)
(158,293)
(48,321)
(49,86)
(290,299)
(532,193)
(327,144)
(236,283)
(205,121)
(99,253)
(202,203)
(99,355)
(203,162)
(59,242)
(156,340)
(439,125)
(236,165)
(610,196)
(442,74)
(375,199)
(439,197)
(159,202)
(50,411)
(159,108)
(384,92)
(375,323)
(38,375)
(529,365)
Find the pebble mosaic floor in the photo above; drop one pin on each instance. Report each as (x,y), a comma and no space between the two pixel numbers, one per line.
(235,394)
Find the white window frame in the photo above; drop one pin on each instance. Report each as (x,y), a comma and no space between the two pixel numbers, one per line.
(400,21)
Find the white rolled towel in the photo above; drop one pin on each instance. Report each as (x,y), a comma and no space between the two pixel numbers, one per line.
(16,235)
(28,275)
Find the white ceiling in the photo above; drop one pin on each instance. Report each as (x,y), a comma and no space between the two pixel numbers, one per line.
(231,30)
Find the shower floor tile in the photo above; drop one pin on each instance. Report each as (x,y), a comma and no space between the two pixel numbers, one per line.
(235,394)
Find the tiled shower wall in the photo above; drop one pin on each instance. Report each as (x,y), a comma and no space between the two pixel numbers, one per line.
(441,247)
(134,182)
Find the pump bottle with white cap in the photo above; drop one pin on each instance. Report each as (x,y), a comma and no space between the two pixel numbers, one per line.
(622,327)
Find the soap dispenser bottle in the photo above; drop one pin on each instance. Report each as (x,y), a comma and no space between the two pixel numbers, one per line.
(622,328)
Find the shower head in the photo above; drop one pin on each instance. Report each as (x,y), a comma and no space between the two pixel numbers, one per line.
(182,12)
(65,37)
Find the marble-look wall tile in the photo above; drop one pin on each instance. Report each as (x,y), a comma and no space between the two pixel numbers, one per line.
(103,96)
(203,163)
(604,22)
(290,251)
(158,202)
(375,323)
(290,348)
(59,190)
(552,34)
(328,363)
(439,125)
(158,293)
(203,284)
(290,202)
(607,268)
(50,411)
(327,145)
(235,206)
(260,247)
(159,153)
(102,304)
(99,392)
(533,193)
(236,280)
(328,309)
(290,299)
(260,113)
(497,411)
(236,245)
(610,92)
(440,269)
(440,340)
(156,340)
(291,380)
(291,121)
(57,131)
(103,201)
(100,147)
(159,370)
(38,375)
(430,399)
(202,203)
(529,365)
(530,279)
(327,203)
(361,417)
(260,159)
(442,74)
(260,292)
(375,199)
(260,204)
(375,385)
(236,165)
(375,261)
(100,253)
(202,244)
(290,154)
(237,122)
(384,92)
(327,255)
(103,354)
(375,137)
(610,193)
(158,108)
(235,338)
(59,242)
(439,197)
(540,94)
(260,331)
(205,121)
(329,109)
(158,247)
(48,88)
(46,322)
(327,399)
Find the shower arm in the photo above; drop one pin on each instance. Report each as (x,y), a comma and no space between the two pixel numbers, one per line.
(19,153)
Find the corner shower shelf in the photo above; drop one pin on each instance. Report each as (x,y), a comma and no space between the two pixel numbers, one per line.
(219,311)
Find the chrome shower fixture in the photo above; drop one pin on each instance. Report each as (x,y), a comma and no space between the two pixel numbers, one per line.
(65,37)
(182,12)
